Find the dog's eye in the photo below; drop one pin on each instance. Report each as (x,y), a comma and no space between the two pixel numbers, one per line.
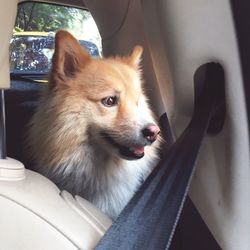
(109,101)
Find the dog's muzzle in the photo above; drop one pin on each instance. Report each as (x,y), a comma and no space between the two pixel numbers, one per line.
(129,153)
(149,135)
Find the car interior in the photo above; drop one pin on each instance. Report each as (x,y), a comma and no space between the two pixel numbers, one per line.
(186,45)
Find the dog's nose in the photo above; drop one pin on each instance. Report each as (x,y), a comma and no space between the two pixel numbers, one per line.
(150,132)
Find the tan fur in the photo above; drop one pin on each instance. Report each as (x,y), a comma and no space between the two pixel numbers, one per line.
(65,135)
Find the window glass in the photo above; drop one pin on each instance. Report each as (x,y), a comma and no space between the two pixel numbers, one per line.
(32,43)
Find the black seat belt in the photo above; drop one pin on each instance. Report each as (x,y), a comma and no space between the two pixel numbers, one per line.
(150,218)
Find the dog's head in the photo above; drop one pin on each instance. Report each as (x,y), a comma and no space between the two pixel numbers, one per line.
(101,100)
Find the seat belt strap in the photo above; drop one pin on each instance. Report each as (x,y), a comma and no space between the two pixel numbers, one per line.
(150,218)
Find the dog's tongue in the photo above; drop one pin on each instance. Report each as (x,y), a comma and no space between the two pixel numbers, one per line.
(137,150)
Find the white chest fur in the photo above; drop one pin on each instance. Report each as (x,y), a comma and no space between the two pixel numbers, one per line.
(108,182)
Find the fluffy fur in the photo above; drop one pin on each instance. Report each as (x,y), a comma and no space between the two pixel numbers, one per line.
(82,143)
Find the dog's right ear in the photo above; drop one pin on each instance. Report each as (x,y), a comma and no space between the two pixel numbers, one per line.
(69,57)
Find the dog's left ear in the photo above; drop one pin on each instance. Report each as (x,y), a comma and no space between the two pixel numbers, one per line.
(135,57)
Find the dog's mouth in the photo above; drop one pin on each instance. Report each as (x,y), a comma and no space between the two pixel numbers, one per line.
(132,152)
(129,153)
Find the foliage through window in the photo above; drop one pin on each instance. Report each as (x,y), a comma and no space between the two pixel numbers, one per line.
(32,43)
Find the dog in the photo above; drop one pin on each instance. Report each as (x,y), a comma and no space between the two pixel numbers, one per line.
(93,133)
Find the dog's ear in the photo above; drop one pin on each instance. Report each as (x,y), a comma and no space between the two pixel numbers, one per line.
(69,57)
(135,57)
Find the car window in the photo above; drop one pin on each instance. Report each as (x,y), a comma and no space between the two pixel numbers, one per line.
(32,43)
